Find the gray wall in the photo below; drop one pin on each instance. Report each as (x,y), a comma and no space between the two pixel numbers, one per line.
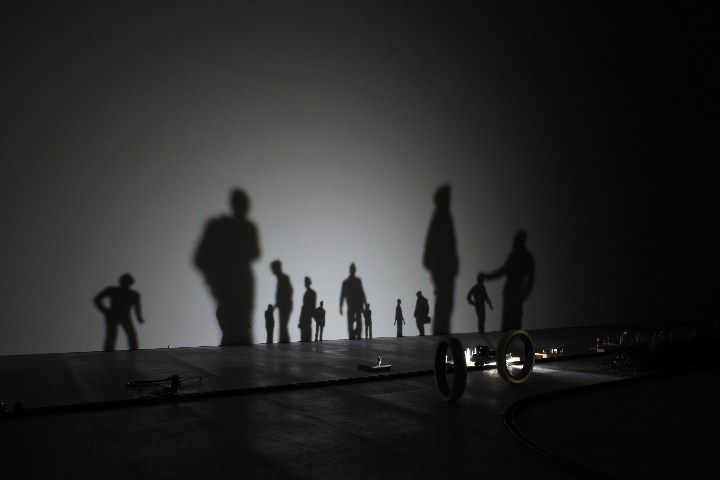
(124,127)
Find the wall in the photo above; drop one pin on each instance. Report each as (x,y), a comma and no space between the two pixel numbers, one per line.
(125,126)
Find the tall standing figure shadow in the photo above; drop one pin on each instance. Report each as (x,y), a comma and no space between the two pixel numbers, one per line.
(224,256)
(441,260)
(352,291)
(307,311)
(519,272)
(283,299)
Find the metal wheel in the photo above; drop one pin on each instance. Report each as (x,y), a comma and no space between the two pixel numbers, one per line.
(515,342)
(458,369)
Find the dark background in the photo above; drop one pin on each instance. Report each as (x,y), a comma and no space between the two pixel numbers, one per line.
(126,124)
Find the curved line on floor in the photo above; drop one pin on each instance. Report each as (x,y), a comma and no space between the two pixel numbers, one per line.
(510,416)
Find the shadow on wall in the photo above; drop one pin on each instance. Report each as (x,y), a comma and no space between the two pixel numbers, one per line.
(229,245)
(399,319)
(353,293)
(283,299)
(421,313)
(478,297)
(224,256)
(122,300)
(307,311)
(440,258)
(319,316)
(519,272)
(367,315)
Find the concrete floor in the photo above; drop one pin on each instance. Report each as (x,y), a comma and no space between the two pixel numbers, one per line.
(396,428)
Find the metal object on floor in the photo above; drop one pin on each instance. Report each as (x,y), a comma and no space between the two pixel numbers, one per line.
(506,368)
(458,367)
(376,366)
(513,366)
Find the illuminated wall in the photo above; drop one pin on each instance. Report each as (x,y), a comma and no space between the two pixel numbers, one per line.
(126,126)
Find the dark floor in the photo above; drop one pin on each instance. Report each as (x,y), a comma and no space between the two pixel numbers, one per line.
(68,378)
(671,420)
(395,428)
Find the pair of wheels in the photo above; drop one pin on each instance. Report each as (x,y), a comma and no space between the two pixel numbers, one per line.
(515,358)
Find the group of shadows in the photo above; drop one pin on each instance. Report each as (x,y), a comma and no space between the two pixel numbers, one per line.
(229,245)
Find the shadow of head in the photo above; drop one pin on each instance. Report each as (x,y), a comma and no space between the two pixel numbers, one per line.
(520,240)
(240,203)
(126,280)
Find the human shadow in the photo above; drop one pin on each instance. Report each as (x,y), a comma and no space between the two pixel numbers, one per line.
(352,291)
(269,323)
(367,315)
(478,297)
(519,272)
(122,300)
(421,313)
(224,256)
(319,316)
(399,319)
(441,260)
(283,300)
(307,311)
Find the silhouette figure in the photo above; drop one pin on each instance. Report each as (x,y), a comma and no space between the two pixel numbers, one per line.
(283,300)
(228,247)
(269,323)
(422,309)
(440,258)
(319,320)
(367,315)
(399,319)
(352,292)
(478,297)
(122,300)
(519,272)
(306,312)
